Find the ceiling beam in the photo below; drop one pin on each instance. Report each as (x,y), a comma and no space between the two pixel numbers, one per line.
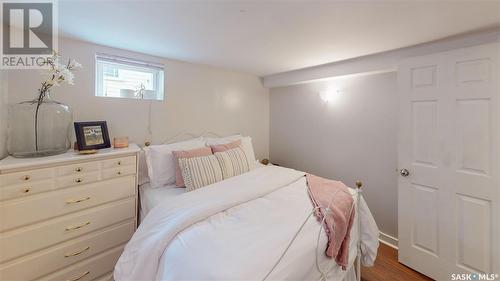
(381,62)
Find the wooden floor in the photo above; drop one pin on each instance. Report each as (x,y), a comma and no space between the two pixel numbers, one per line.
(387,268)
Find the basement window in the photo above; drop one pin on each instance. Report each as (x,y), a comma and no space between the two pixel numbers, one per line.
(119,77)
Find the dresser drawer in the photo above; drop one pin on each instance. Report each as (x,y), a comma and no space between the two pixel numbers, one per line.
(78,179)
(88,269)
(25,189)
(80,168)
(118,172)
(118,162)
(16,213)
(68,253)
(35,237)
(26,176)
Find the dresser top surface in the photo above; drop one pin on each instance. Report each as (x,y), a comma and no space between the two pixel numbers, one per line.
(10,162)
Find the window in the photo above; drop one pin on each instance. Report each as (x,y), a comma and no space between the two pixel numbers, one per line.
(126,78)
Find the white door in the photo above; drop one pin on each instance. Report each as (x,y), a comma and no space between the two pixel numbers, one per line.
(449,153)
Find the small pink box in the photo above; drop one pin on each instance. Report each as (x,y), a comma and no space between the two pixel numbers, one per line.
(120,142)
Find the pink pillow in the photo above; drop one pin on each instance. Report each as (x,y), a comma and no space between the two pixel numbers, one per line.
(224,147)
(198,152)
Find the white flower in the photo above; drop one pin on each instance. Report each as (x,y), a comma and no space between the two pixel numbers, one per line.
(58,67)
(68,76)
(59,73)
(75,64)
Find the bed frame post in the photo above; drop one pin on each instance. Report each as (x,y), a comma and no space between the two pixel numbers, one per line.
(359,184)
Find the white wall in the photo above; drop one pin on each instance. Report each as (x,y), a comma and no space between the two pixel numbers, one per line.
(3,113)
(198,98)
(354,137)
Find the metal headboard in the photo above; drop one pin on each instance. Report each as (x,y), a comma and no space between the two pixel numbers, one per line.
(188,135)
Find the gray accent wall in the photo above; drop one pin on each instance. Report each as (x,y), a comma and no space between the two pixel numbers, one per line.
(352,137)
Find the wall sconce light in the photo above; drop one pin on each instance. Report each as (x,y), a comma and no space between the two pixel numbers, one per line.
(329,95)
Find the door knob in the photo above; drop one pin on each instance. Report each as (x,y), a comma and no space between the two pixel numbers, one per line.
(404,172)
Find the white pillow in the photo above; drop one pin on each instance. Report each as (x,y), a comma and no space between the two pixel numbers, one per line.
(160,160)
(246,143)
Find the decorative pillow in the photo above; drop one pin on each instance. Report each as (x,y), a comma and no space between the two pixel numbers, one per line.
(233,162)
(246,143)
(160,160)
(224,147)
(200,171)
(197,152)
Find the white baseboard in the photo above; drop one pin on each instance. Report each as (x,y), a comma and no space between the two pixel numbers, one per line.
(388,240)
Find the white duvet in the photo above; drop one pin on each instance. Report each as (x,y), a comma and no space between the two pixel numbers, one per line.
(237,229)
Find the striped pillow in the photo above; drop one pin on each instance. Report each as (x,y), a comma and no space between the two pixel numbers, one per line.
(233,162)
(200,171)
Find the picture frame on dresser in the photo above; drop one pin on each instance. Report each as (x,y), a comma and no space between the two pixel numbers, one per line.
(92,135)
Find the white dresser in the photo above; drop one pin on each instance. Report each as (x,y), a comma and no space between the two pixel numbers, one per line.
(66,217)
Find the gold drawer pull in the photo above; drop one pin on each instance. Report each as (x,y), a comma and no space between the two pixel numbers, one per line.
(119,163)
(79,169)
(68,228)
(26,178)
(77,252)
(80,277)
(73,201)
(27,190)
(119,172)
(79,180)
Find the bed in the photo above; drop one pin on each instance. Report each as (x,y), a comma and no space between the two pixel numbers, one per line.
(151,197)
(254,226)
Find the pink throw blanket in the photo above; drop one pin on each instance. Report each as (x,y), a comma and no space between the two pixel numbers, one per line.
(326,193)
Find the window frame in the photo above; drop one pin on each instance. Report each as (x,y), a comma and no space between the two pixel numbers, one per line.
(158,71)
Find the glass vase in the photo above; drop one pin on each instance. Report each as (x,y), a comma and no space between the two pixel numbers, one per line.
(40,127)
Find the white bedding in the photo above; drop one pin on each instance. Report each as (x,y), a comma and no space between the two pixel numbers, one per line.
(236,230)
(151,197)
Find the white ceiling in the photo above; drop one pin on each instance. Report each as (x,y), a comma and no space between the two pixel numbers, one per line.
(267,37)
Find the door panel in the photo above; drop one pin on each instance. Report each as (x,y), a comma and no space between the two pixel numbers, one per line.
(449,139)
(425,223)
(473,71)
(473,136)
(424,134)
(474,227)
(423,76)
